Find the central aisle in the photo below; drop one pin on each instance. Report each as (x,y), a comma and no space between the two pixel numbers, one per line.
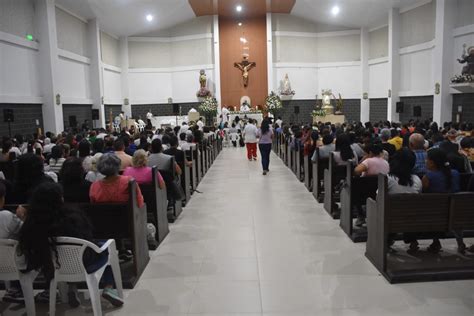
(253,245)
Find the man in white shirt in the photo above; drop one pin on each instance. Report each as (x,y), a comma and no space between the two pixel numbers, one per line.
(200,124)
(245,107)
(279,121)
(149,115)
(250,139)
(225,114)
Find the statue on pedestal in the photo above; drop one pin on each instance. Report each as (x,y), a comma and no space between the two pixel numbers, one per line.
(326,101)
(286,87)
(203,91)
(467,74)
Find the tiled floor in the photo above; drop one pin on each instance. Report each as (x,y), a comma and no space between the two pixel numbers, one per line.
(261,245)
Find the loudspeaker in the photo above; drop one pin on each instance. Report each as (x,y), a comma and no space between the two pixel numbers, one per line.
(297,109)
(8,115)
(417,111)
(95,114)
(175,109)
(399,107)
(72,121)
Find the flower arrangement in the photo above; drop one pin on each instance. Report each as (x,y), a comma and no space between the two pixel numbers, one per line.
(462,78)
(318,112)
(273,103)
(203,93)
(208,106)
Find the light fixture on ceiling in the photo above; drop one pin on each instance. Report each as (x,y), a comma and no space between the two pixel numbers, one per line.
(149,17)
(243,40)
(238,8)
(335,10)
(239,24)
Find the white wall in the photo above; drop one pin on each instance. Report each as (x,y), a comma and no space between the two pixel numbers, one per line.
(416,72)
(378,43)
(378,78)
(464,13)
(418,25)
(71,33)
(112,85)
(109,48)
(17,17)
(74,81)
(19,78)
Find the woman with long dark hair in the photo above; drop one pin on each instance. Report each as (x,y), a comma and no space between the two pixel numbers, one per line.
(344,151)
(48,217)
(265,135)
(401,178)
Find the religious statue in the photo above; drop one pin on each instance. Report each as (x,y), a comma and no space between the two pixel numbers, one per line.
(203,91)
(326,100)
(467,57)
(286,87)
(245,66)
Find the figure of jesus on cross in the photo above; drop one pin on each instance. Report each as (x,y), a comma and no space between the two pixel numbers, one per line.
(245,67)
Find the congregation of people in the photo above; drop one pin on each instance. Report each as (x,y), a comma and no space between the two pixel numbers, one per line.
(55,173)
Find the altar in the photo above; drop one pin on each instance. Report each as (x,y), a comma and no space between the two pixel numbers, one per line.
(245,116)
(331,118)
(165,121)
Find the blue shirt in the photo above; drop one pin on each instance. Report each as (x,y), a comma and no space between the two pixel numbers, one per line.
(438,182)
(420,164)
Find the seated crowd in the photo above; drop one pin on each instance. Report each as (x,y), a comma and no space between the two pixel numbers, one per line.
(418,157)
(54,173)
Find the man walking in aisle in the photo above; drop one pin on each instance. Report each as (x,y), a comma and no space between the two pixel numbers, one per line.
(250,138)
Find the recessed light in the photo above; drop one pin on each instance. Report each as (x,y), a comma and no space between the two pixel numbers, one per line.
(149,17)
(335,10)
(240,24)
(243,40)
(238,8)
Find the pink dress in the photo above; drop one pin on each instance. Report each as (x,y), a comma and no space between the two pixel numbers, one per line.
(142,175)
(113,192)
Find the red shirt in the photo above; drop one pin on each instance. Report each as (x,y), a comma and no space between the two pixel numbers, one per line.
(114,192)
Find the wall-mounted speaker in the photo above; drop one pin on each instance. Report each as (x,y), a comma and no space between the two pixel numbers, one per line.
(95,114)
(296,109)
(8,115)
(417,111)
(399,107)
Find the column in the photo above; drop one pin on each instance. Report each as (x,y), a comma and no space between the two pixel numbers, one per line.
(364,81)
(48,64)
(217,65)
(443,57)
(96,80)
(393,64)
(269,53)
(123,52)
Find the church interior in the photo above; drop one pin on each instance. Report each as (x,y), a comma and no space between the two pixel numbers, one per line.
(237,157)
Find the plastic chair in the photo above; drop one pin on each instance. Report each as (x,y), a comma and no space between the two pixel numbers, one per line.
(10,271)
(71,269)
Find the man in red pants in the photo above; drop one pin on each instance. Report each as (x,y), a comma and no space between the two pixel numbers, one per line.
(250,138)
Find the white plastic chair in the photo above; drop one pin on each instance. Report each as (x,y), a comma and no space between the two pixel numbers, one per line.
(71,269)
(10,271)
(141,126)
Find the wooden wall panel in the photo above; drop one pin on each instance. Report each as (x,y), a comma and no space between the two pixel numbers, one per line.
(232,87)
(251,8)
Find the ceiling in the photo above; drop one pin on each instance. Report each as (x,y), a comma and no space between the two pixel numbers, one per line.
(252,8)
(127,17)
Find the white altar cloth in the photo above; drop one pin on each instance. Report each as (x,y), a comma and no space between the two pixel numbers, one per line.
(158,121)
(241,115)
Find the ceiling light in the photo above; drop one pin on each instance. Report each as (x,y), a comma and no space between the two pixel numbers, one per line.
(243,40)
(240,24)
(238,8)
(149,17)
(335,10)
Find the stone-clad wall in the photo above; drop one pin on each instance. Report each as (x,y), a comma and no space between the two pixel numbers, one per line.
(25,116)
(467,102)
(378,110)
(426,103)
(81,111)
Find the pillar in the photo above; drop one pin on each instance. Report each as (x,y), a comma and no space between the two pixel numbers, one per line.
(123,52)
(393,64)
(96,80)
(364,81)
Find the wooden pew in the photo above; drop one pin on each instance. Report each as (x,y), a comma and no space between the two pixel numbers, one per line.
(308,172)
(198,164)
(186,183)
(332,177)
(170,175)
(191,155)
(289,153)
(318,176)
(355,190)
(123,221)
(418,213)
(298,159)
(157,203)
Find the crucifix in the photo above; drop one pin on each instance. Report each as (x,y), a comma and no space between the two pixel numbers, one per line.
(244,66)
